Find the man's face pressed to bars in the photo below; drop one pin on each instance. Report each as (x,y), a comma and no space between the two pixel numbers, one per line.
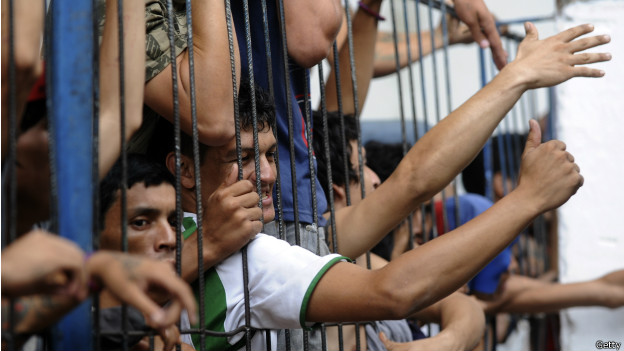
(218,162)
(151,222)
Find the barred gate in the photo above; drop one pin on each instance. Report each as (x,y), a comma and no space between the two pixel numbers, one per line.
(73,101)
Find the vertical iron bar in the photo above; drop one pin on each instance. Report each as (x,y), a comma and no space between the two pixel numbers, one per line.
(176,131)
(95,171)
(269,67)
(356,112)
(257,167)
(124,161)
(293,171)
(197,165)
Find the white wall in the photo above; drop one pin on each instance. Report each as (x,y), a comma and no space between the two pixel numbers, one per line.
(592,125)
(591,114)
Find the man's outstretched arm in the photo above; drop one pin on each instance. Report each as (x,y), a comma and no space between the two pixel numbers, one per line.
(448,147)
(606,291)
(213,77)
(420,277)
(462,321)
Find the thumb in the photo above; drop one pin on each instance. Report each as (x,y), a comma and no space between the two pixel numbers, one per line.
(232,177)
(535,137)
(387,343)
(531,31)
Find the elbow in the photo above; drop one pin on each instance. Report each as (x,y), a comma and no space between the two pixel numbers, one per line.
(309,47)
(401,301)
(216,133)
(308,53)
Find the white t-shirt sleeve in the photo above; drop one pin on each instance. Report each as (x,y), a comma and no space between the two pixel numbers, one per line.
(281,281)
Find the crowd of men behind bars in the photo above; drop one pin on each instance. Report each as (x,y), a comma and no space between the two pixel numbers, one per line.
(286,194)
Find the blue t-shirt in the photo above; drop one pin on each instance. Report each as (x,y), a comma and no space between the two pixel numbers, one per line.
(261,77)
(470,206)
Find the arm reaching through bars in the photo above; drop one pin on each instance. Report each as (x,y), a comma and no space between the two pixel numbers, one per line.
(449,146)
(418,278)
(134,75)
(385,54)
(213,83)
(28,32)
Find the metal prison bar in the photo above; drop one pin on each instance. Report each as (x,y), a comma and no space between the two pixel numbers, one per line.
(67,70)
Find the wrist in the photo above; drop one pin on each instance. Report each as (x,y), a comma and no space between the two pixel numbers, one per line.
(372,9)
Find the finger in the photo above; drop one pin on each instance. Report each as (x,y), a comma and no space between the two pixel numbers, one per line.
(170,337)
(586,43)
(134,296)
(570,157)
(241,187)
(531,31)
(179,291)
(387,343)
(254,214)
(488,26)
(559,145)
(232,177)
(478,35)
(575,32)
(535,137)
(249,200)
(172,313)
(256,227)
(587,58)
(587,72)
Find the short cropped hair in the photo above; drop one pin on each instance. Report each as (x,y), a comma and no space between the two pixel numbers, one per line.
(140,169)
(383,158)
(335,145)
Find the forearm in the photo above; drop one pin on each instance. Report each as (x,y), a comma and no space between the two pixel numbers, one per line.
(311,27)
(190,263)
(134,76)
(213,78)
(554,297)
(428,167)
(462,322)
(364,27)
(460,260)
(27,34)
(385,53)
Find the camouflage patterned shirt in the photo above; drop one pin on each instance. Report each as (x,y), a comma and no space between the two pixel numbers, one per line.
(157,48)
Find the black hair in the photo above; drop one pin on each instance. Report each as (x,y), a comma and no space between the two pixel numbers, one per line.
(473,176)
(335,146)
(162,140)
(140,169)
(383,158)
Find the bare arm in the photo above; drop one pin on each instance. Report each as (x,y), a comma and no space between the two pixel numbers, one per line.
(213,82)
(385,54)
(607,291)
(28,32)
(448,147)
(364,27)
(134,76)
(311,27)
(413,280)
